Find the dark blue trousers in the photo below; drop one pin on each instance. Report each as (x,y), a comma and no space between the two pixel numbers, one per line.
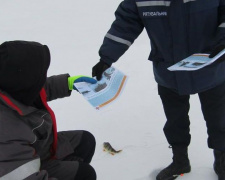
(176,108)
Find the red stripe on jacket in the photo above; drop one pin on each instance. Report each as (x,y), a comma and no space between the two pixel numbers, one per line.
(44,101)
(10,103)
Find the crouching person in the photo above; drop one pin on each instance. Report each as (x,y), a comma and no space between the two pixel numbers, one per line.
(30,147)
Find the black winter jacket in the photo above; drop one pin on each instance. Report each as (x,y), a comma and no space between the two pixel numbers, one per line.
(176,29)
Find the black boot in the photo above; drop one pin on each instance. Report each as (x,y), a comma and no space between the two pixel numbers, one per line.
(179,166)
(219,164)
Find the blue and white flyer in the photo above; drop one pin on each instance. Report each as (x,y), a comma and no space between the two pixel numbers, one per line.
(195,62)
(104,91)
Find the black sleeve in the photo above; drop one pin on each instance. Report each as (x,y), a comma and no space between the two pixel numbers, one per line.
(124,30)
(220,34)
(57,87)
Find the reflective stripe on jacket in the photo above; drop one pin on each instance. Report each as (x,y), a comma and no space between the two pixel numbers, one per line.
(176,29)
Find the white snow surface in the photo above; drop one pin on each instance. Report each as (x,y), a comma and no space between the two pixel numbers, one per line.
(74,31)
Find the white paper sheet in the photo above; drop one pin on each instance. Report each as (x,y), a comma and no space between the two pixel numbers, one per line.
(104,91)
(195,62)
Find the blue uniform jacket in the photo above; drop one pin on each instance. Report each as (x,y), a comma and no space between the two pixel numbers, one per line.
(176,29)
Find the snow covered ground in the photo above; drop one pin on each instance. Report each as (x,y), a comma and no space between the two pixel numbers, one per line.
(74,31)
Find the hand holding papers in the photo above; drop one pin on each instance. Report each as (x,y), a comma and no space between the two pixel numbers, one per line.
(195,62)
(104,91)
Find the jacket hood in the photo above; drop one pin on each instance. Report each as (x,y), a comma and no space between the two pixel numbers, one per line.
(23,69)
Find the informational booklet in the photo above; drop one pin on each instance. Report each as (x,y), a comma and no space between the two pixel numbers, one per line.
(104,91)
(195,62)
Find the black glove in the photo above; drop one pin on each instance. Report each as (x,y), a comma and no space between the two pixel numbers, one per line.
(98,69)
(216,51)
